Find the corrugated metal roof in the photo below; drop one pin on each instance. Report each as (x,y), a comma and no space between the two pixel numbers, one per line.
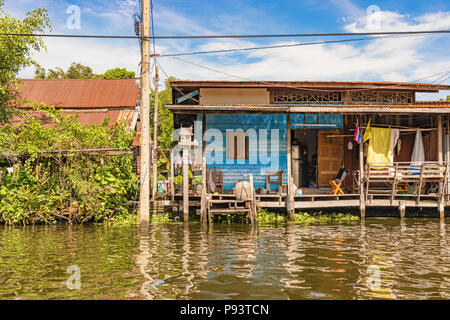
(88,117)
(434,107)
(311,84)
(82,93)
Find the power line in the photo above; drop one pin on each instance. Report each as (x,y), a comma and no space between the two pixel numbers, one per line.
(282,46)
(226,36)
(268,83)
(304,35)
(441,82)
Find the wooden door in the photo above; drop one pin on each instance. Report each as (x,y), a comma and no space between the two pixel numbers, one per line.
(330,156)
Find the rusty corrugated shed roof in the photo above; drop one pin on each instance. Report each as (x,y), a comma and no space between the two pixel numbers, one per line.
(311,84)
(82,93)
(434,107)
(88,117)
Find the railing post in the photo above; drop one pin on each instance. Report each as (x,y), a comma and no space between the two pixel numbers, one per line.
(362,202)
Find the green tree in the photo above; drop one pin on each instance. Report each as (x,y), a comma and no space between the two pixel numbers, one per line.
(16,52)
(79,71)
(75,71)
(117,73)
(165,128)
(448,99)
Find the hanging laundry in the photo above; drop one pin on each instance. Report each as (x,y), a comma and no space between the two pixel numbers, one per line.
(399,146)
(418,154)
(395,135)
(379,150)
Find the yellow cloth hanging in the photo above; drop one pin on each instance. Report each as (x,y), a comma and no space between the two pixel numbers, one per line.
(367,132)
(379,150)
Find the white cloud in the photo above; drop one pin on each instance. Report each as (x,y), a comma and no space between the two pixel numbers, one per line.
(100,55)
(391,59)
(394,59)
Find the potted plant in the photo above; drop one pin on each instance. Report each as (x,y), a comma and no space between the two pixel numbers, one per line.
(198,185)
(178,182)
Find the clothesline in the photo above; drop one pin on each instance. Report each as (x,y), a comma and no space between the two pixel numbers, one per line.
(402,132)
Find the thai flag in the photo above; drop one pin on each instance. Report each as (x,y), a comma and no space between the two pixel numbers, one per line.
(357,136)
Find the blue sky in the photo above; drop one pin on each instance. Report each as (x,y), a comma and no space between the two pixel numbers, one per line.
(399,59)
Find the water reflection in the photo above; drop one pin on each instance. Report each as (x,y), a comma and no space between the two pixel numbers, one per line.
(189,261)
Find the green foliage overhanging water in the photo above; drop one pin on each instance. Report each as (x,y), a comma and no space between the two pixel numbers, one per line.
(74,187)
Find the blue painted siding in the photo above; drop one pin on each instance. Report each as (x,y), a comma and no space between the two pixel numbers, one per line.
(314,121)
(234,170)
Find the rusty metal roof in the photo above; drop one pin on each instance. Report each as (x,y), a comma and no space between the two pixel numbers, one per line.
(419,87)
(81,93)
(87,117)
(420,107)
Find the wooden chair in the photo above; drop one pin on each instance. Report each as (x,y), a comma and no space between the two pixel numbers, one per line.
(336,183)
(278,181)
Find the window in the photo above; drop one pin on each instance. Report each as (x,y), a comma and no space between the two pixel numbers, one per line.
(237,146)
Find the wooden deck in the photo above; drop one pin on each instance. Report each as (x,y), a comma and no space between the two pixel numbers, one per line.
(398,185)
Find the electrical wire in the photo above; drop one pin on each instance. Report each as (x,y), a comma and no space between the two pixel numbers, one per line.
(424,32)
(282,46)
(271,84)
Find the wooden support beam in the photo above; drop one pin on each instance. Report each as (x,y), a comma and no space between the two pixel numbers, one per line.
(439,139)
(185,184)
(419,191)
(402,210)
(362,201)
(188,96)
(203,210)
(290,193)
(172,185)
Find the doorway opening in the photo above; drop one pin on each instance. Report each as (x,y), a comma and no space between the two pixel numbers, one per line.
(304,158)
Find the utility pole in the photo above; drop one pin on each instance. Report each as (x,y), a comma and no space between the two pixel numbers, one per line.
(144,201)
(155,135)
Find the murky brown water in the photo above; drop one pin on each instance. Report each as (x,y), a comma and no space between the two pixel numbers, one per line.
(176,261)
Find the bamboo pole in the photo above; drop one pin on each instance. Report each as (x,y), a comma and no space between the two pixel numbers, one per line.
(144,202)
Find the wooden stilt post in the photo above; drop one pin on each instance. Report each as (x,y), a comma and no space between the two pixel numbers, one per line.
(290,191)
(401,210)
(144,194)
(186,144)
(185,184)
(441,161)
(172,185)
(204,191)
(362,201)
(155,137)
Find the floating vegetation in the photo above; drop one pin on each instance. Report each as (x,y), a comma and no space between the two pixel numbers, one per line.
(267,217)
(160,218)
(319,217)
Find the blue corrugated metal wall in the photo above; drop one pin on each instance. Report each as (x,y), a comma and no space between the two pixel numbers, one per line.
(236,170)
(317,121)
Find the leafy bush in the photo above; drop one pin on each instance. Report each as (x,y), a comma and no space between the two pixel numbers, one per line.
(178,180)
(77,187)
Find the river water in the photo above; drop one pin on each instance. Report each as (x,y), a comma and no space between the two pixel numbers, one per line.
(383,258)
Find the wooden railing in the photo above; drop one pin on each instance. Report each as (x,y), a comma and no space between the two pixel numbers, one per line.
(405,179)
